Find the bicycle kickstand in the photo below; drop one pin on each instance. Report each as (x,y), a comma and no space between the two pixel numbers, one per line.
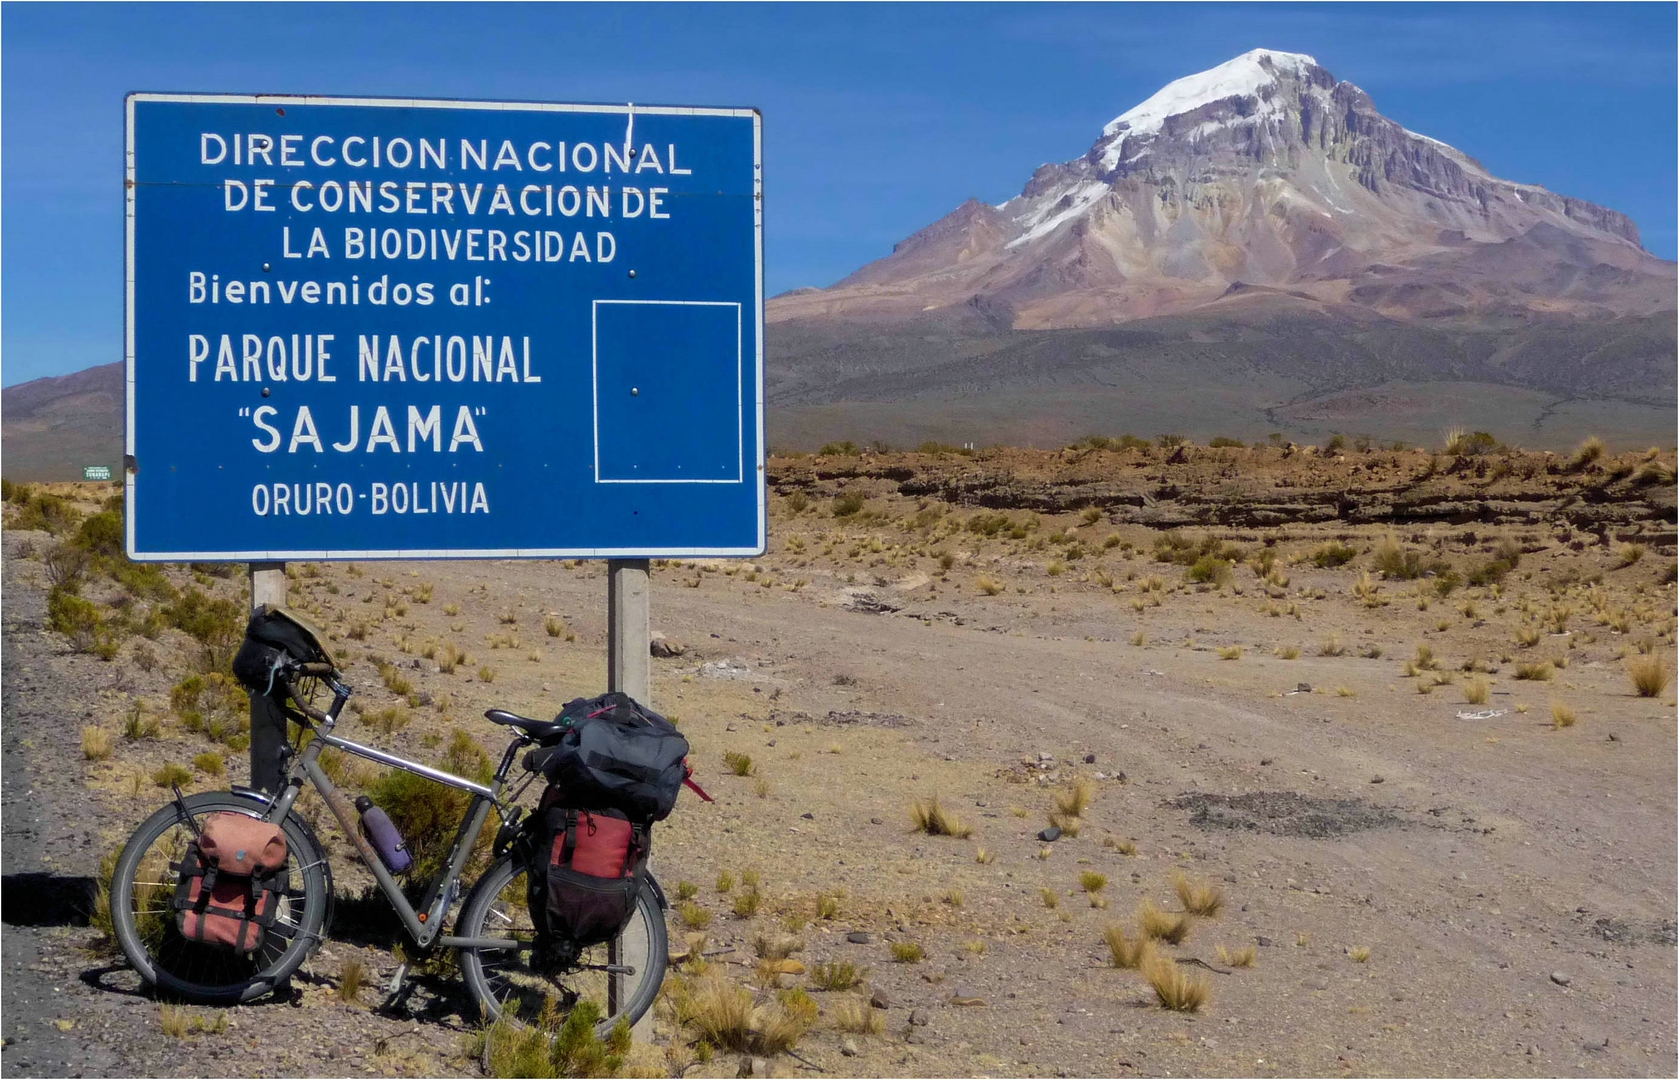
(398,992)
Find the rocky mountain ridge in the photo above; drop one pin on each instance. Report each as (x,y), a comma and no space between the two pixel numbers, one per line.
(1263,172)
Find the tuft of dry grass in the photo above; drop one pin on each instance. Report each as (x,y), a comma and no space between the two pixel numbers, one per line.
(1140,638)
(990,586)
(174,1020)
(1230,652)
(210,763)
(1240,958)
(1124,847)
(1287,652)
(748,903)
(1588,452)
(1158,924)
(1539,672)
(1650,675)
(907,952)
(1127,952)
(860,1017)
(779,947)
(740,764)
(837,975)
(984,855)
(1050,897)
(352,975)
(1174,988)
(1332,647)
(1093,882)
(1561,715)
(693,916)
(171,774)
(1201,898)
(1475,691)
(1074,799)
(1359,954)
(720,1011)
(933,819)
(1344,691)
(97,743)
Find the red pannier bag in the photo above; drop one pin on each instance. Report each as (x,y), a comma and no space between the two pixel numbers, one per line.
(595,865)
(229,888)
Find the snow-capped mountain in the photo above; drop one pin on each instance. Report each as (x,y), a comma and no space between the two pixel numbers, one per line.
(1261,180)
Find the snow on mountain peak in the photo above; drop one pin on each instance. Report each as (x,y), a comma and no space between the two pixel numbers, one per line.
(1245,75)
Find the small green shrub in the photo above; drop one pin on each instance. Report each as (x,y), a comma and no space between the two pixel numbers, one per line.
(1333,554)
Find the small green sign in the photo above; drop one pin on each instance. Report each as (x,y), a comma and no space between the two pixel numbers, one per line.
(96,472)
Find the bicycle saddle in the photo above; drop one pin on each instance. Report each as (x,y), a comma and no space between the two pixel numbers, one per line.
(536,729)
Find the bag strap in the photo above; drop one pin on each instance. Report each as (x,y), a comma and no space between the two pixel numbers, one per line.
(569,845)
(688,781)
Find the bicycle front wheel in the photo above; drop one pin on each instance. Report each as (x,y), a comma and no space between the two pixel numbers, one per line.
(143,916)
(621,978)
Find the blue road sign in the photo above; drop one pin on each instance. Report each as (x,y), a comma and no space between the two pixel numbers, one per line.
(382,328)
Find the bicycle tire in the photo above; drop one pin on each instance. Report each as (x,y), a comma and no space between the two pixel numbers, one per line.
(496,908)
(144,925)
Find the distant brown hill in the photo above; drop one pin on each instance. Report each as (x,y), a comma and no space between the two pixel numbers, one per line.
(53,427)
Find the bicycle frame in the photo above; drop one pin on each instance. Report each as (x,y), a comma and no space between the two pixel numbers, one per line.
(424,925)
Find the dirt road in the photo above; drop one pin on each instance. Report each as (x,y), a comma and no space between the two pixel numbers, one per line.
(1430,886)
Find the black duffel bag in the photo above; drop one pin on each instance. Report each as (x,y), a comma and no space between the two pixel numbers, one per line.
(275,636)
(615,755)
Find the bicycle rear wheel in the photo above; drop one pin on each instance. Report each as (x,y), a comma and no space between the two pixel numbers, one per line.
(143,918)
(506,985)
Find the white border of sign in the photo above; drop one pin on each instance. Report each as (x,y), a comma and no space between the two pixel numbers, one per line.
(628,112)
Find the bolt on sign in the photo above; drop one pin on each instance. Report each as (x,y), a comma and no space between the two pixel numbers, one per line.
(397,328)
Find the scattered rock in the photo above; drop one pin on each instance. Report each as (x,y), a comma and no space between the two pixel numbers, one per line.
(1561,978)
(1303,688)
(1532,1050)
(1317,984)
(1282,813)
(1377,779)
(859,937)
(754,1066)
(967,998)
(918,1018)
(665,648)
(880,1000)
(1264,942)
(848,1047)
(876,821)
(1090,759)
(1051,834)
(914,1037)
(808,816)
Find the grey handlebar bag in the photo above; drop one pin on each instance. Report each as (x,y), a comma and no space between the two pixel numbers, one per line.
(617,755)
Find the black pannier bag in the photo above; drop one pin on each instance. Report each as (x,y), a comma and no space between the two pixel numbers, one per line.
(617,755)
(585,878)
(273,636)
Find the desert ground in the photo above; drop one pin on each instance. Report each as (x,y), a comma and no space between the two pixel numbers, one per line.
(1380,703)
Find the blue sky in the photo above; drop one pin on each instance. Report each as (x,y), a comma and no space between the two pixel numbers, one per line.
(878,119)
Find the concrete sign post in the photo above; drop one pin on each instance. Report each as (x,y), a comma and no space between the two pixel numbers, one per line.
(407,329)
